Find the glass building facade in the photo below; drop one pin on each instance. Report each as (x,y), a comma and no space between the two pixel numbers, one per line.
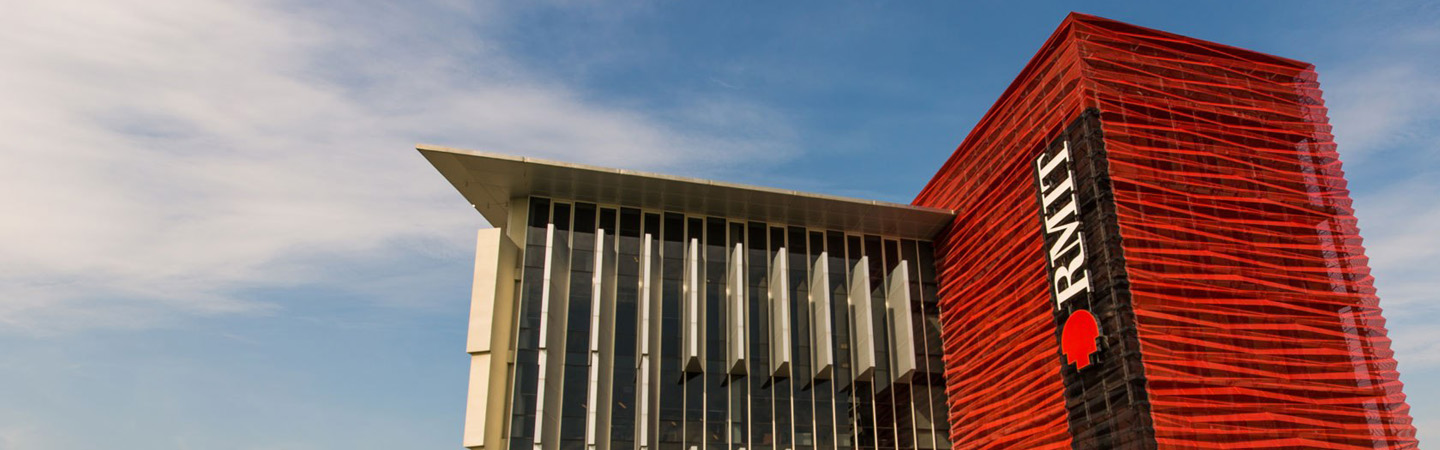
(659,329)
(1146,243)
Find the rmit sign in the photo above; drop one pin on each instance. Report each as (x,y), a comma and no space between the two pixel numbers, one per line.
(1065,250)
(1099,351)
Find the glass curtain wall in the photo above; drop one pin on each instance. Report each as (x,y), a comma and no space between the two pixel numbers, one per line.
(752,407)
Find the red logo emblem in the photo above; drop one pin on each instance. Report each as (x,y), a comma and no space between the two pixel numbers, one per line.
(1078,340)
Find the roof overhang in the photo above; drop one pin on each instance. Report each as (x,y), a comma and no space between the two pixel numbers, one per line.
(489,181)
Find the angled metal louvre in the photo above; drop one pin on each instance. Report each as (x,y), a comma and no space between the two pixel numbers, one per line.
(822,314)
(902,326)
(592,414)
(692,357)
(647,305)
(735,312)
(863,328)
(780,314)
(552,333)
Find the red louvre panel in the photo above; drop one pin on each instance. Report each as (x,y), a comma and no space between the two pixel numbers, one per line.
(1002,381)
(1253,303)
(1258,321)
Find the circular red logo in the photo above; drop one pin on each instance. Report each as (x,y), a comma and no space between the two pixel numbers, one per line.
(1079,338)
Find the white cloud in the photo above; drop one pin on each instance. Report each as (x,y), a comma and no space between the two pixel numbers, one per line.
(1380,107)
(1384,104)
(1419,347)
(1399,223)
(161,155)
(26,434)
(1383,95)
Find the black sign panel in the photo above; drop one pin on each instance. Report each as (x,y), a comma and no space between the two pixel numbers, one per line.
(1094,322)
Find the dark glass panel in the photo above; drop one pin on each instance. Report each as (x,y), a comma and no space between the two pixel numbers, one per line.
(539,212)
(717,394)
(626,332)
(863,405)
(822,389)
(651,224)
(576,382)
(562,217)
(739,428)
(695,382)
(671,383)
(921,412)
(900,393)
(803,400)
(780,386)
(607,221)
(525,388)
(884,404)
(839,293)
(934,346)
(762,434)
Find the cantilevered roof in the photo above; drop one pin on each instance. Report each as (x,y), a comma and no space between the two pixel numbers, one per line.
(490,180)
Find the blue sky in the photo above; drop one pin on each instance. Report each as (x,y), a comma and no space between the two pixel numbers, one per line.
(218,234)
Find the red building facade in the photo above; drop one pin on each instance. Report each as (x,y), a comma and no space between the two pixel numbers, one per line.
(1158,251)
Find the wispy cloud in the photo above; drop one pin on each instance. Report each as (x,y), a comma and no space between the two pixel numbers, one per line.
(1399,222)
(161,155)
(13,436)
(1387,107)
(1385,101)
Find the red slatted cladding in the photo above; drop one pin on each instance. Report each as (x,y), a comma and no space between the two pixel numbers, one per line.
(1002,375)
(1258,322)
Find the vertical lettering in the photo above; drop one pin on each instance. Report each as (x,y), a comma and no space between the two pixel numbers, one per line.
(1066,275)
(1043,169)
(1068,232)
(1061,189)
(1068,278)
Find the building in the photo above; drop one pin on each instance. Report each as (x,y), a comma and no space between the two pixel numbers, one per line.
(1145,243)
